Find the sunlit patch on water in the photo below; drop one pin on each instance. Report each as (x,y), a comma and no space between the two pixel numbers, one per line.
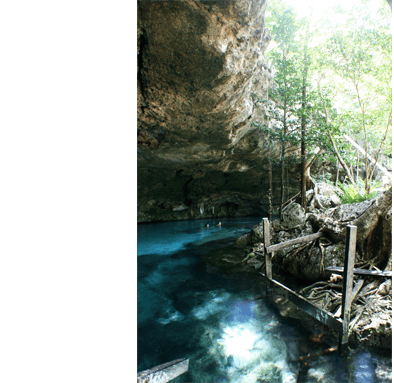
(240,345)
(238,342)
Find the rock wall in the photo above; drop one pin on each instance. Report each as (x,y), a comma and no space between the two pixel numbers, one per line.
(201,72)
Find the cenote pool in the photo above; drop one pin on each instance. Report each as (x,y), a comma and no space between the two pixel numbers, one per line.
(223,324)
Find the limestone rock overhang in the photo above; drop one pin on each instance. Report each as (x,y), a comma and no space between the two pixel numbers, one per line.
(201,76)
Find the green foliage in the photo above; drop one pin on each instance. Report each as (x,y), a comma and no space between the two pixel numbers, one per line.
(356,193)
(356,59)
(326,178)
(350,194)
(344,62)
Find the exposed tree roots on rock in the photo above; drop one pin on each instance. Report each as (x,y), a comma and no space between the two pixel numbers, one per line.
(371,309)
(371,312)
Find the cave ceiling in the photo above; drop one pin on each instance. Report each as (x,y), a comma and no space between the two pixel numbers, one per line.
(201,74)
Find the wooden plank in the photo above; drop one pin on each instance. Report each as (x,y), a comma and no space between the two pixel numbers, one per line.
(367,273)
(292,242)
(267,241)
(321,315)
(164,372)
(350,255)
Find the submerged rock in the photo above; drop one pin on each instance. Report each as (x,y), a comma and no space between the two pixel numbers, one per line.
(243,241)
(270,373)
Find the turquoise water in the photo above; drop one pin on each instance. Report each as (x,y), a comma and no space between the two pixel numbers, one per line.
(223,324)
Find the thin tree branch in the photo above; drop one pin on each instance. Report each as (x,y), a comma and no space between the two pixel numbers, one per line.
(380,146)
(340,159)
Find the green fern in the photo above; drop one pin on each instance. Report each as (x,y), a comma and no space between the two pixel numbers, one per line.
(355,193)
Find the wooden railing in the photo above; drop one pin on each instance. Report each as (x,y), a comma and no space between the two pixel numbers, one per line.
(341,324)
(164,372)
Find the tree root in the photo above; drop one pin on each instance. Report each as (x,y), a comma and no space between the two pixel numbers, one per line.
(294,252)
(371,312)
(319,285)
(371,308)
(369,289)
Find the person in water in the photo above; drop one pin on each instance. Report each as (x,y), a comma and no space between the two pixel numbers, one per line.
(206,225)
(219,224)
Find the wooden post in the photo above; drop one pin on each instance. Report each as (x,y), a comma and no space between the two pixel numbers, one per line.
(350,253)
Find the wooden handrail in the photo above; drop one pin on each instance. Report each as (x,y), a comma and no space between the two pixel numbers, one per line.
(292,242)
(283,206)
(164,372)
(321,315)
(341,324)
(368,273)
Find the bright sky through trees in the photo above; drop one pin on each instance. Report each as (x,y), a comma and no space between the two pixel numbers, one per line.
(341,54)
(316,9)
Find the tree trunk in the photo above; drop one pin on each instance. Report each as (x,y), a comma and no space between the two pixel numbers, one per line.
(282,163)
(340,159)
(270,197)
(373,221)
(282,181)
(374,229)
(380,147)
(303,180)
(283,147)
(308,180)
(374,161)
(303,127)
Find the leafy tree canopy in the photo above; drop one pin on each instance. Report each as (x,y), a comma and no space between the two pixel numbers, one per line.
(332,70)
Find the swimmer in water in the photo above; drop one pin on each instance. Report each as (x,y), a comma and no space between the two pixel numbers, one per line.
(206,225)
(219,224)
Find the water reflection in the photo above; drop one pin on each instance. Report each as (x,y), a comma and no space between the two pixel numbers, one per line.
(360,366)
(221,323)
(363,368)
